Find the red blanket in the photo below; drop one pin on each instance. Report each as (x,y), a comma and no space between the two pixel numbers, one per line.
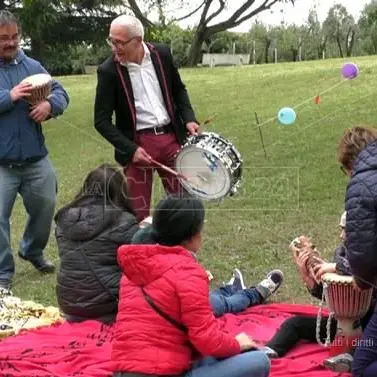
(83,350)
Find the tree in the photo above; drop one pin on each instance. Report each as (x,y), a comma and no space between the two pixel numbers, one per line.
(340,27)
(316,33)
(368,27)
(209,11)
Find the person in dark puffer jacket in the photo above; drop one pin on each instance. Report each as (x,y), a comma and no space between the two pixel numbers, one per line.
(89,231)
(357,154)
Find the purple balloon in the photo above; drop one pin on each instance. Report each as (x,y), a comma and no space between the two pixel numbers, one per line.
(350,70)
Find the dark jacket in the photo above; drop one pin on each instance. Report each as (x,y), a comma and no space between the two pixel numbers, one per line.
(88,237)
(111,97)
(361,224)
(21,138)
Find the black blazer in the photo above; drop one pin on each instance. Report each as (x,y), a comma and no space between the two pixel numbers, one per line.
(110,97)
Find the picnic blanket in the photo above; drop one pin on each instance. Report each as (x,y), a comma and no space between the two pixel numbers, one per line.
(83,349)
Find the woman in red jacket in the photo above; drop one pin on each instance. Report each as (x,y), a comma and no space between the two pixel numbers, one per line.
(164,314)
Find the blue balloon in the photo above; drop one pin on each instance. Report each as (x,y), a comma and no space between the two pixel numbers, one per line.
(287,115)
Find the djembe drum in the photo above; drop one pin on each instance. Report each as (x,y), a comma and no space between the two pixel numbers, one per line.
(348,306)
(41,87)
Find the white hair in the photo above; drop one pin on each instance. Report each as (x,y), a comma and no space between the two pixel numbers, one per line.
(132,24)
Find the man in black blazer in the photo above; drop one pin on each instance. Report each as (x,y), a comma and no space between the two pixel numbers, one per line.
(153,113)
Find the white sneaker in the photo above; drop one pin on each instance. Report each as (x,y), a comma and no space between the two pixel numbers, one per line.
(339,363)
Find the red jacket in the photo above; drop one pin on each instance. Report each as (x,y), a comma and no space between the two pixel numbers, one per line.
(144,341)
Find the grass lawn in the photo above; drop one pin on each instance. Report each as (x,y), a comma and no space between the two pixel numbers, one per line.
(297,189)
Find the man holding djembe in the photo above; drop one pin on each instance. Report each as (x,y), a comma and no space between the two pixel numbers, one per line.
(24,166)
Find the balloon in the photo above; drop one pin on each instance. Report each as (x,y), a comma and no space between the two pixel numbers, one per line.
(286,115)
(350,71)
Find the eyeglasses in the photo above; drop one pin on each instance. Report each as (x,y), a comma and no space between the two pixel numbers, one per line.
(114,43)
(6,39)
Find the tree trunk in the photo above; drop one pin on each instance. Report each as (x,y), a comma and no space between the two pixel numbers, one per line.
(294,53)
(196,47)
(350,43)
(267,44)
(340,46)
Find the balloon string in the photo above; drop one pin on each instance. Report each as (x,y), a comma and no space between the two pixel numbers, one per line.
(306,101)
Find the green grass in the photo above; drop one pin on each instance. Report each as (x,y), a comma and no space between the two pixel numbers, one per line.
(298,189)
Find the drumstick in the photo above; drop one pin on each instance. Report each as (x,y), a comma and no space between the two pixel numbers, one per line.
(169,170)
(207,121)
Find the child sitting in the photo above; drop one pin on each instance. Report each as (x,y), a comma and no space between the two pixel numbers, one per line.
(303,327)
(233,297)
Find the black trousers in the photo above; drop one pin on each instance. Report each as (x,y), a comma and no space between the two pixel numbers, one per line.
(304,328)
(299,328)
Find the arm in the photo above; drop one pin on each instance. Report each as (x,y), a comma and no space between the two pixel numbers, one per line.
(204,330)
(361,242)
(58,99)
(124,229)
(316,291)
(342,264)
(180,95)
(103,111)
(6,102)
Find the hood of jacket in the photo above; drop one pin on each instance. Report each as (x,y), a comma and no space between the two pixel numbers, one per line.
(143,264)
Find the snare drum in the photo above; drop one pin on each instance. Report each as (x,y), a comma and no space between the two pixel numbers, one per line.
(348,306)
(212,165)
(41,87)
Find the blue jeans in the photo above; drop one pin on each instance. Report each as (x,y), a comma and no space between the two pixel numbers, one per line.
(254,363)
(223,300)
(247,364)
(365,356)
(37,184)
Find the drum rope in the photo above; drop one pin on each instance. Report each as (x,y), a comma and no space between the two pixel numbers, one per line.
(319,319)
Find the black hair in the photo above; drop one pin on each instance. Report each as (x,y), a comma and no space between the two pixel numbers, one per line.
(107,183)
(177,219)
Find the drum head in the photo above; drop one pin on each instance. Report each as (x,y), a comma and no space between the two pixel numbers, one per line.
(38,79)
(331,277)
(208,177)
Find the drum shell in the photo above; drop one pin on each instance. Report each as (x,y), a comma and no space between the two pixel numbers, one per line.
(343,299)
(39,93)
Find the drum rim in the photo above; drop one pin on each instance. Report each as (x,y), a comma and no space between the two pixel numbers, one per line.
(46,83)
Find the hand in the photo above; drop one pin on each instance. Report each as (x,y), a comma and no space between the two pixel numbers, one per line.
(141,157)
(209,274)
(41,112)
(354,284)
(147,221)
(193,128)
(20,91)
(301,263)
(323,268)
(245,342)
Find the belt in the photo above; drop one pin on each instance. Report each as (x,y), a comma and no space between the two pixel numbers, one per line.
(160,130)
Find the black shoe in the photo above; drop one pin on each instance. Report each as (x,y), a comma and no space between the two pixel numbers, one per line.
(270,284)
(40,263)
